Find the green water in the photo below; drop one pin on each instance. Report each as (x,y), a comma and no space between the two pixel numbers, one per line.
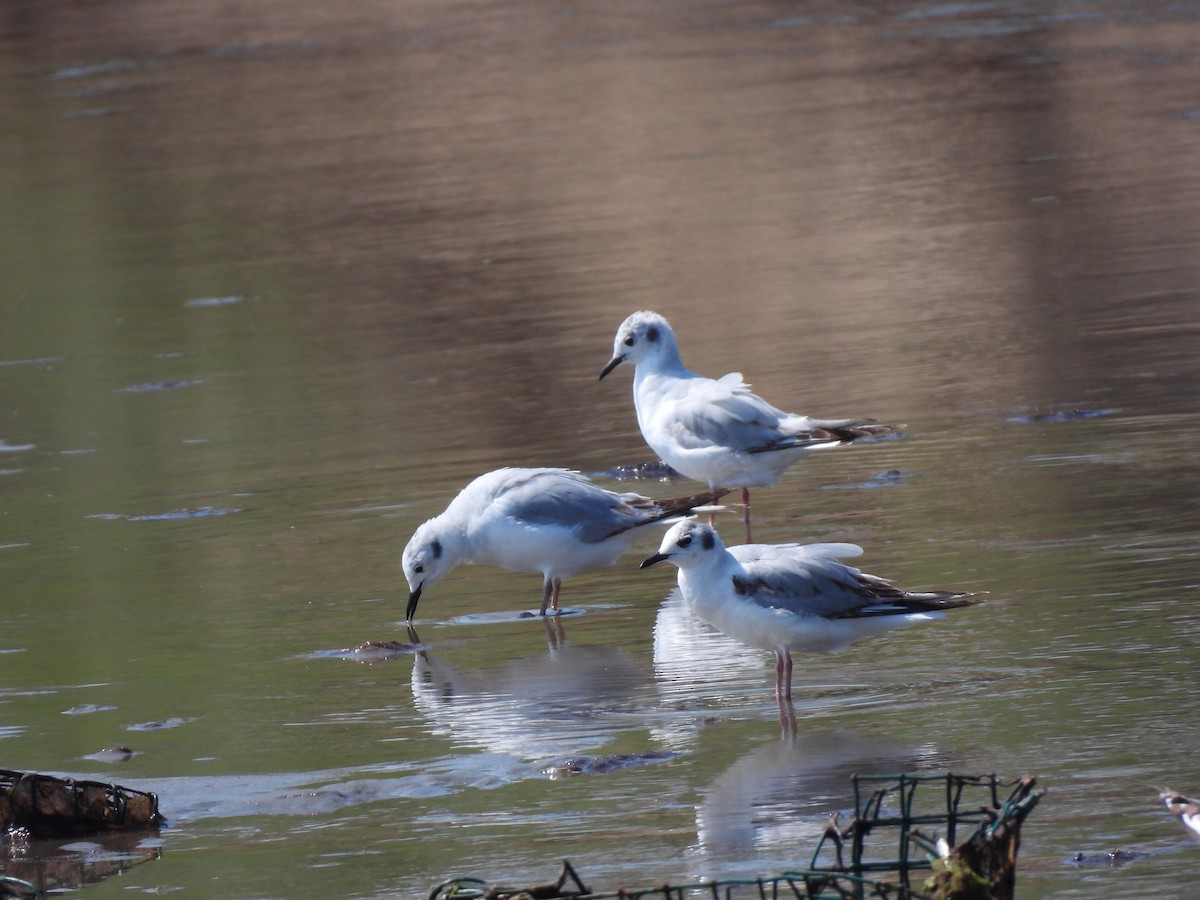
(276,283)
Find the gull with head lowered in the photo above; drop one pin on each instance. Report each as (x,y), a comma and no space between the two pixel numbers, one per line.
(790,597)
(717,431)
(553,521)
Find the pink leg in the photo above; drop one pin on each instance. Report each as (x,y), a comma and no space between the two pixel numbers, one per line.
(746,513)
(554,596)
(783,675)
(547,592)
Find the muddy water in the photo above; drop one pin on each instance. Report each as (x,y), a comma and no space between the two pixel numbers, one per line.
(278,281)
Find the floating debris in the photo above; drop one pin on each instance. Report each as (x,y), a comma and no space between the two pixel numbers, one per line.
(173,722)
(50,807)
(152,386)
(595,765)
(1061,415)
(196,512)
(87,709)
(6,447)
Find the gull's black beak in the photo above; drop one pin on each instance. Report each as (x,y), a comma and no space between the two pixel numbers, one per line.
(412,603)
(612,364)
(651,560)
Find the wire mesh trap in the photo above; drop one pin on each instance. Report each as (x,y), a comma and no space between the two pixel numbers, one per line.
(902,844)
(48,807)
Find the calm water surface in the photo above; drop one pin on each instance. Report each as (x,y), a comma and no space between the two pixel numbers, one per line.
(276,282)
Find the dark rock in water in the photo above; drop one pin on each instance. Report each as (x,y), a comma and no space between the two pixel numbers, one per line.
(50,807)
(1061,415)
(651,470)
(1111,858)
(594,765)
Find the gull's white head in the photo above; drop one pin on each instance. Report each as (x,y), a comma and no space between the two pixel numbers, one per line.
(644,335)
(686,544)
(427,559)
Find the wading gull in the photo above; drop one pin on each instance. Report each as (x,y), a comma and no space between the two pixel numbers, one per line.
(717,431)
(552,521)
(790,597)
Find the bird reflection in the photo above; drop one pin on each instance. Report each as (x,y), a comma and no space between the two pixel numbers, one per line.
(777,798)
(581,695)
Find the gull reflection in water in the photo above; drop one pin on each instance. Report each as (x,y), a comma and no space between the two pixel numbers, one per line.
(772,805)
(568,699)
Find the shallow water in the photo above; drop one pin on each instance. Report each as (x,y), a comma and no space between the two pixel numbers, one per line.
(278,282)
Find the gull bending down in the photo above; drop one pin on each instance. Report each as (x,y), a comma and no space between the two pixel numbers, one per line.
(717,431)
(552,521)
(790,597)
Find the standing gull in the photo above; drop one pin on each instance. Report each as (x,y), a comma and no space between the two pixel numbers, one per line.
(785,597)
(552,521)
(717,431)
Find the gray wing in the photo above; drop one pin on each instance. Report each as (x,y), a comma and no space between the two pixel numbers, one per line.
(810,579)
(728,414)
(802,578)
(566,499)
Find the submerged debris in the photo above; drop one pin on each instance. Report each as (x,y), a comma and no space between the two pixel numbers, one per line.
(594,765)
(876,856)
(1061,415)
(50,807)
(1113,858)
(473,887)
(985,865)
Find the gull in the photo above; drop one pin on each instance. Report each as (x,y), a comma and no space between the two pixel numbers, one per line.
(790,597)
(1185,809)
(717,430)
(553,521)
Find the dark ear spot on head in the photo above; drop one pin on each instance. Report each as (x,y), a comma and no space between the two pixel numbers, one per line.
(652,333)
(709,541)
(436,547)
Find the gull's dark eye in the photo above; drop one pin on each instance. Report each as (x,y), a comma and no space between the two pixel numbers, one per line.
(628,342)
(684,541)
(418,569)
